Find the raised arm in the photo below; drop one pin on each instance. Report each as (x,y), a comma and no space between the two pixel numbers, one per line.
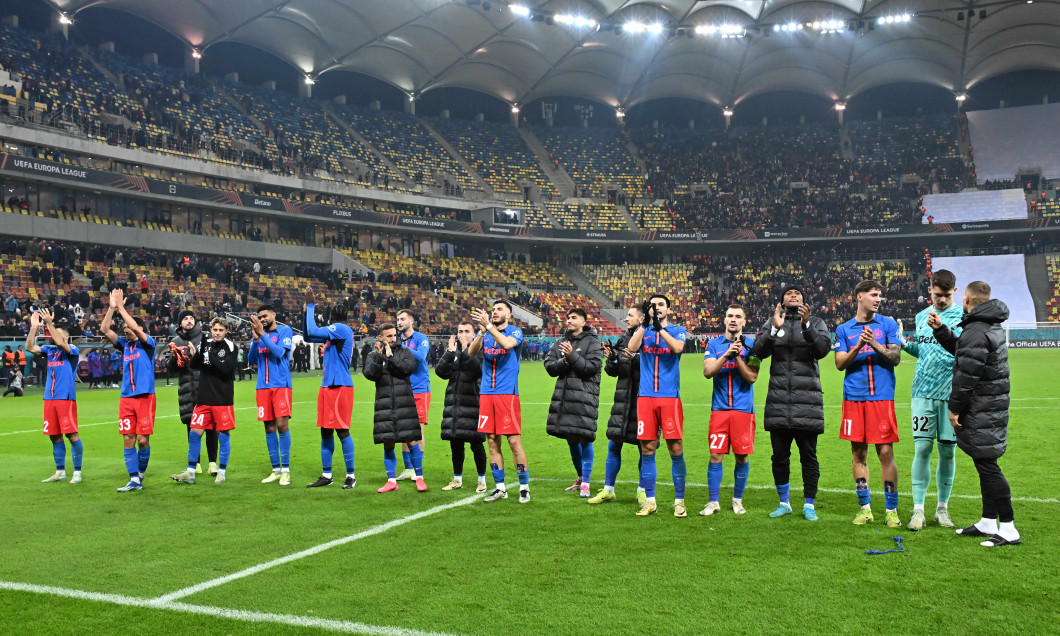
(31,336)
(108,322)
(636,340)
(119,296)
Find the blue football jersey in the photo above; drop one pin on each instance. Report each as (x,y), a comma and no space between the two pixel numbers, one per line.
(338,347)
(660,367)
(500,367)
(59,383)
(272,354)
(137,367)
(731,391)
(869,378)
(420,346)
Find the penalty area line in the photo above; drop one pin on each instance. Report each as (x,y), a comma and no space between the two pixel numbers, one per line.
(348,627)
(317,549)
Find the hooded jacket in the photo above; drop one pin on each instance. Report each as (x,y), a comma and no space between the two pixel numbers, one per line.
(216,363)
(575,402)
(396,420)
(622,425)
(980,395)
(187,377)
(460,415)
(794,400)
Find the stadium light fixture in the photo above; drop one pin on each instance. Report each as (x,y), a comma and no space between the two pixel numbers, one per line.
(519,10)
(65,19)
(309,81)
(655,29)
(961,97)
(620,113)
(576,20)
(196,53)
(515,108)
(727,112)
(705,29)
(634,27)
(840,106)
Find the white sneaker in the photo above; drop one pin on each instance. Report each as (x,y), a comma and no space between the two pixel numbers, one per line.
(737,507)
(60,475)
(213,468)
(407,475)
(76,478)
(481,487)
(285,479)
(220,479)
(453,485)
(711,508)
(186,477)
(274,476)
(942,516)
(917,521)
(496,495)
(524,495)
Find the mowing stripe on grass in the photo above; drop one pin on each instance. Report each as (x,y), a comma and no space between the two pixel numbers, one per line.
(793,489)
(114,421)
(347,627)
(195,589)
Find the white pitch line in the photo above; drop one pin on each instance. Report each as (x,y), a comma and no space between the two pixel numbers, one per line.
(157,417)
(348,627)
(793,489)
(195,589)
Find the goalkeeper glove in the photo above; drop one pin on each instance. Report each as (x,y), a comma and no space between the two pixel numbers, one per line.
(656,324)
(646,309)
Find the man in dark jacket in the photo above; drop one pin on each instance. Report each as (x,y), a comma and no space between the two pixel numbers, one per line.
(574,360)
(460,414)
(794,410)
(181,348)
(391,367)
(215,358)
(979,404)
(622,425)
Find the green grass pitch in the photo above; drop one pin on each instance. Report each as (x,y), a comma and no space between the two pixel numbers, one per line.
(555,566)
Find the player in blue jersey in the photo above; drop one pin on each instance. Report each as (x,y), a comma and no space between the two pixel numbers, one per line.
(60,399)
(136,406)
(500,413)
(659,401)
(416,342)
(729,362)
(868,347)
(335,397)
(270,350)
(932,383)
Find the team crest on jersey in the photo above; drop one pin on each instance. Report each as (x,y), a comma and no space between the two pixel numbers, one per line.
(220,353)
(877,333)
(286,341)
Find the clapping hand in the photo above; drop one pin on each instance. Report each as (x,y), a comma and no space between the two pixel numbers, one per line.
(734,350)
(310,298)
(256,326)
(452,343)
(34,320)
(866,337)
(565,348)
(46,316)
(804,314)
(481,318)
(778,316)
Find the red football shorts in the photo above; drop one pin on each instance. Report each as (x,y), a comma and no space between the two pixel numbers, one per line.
(60,417)
(655,413)
(334,407)
(136,415)
(213,418)
(273,403)
(423,405)
(734,429)
(500,415)
(869,422)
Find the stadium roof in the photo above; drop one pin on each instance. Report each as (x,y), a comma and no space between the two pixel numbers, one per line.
(420,45)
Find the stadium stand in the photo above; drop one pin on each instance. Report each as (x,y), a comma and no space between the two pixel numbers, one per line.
(925,146)
(593,157)
(991,205)
(1008,139)
(1052,264)
(498,154)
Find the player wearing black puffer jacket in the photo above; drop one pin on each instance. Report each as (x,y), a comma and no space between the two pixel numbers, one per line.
(396,421)
(979,403)
(181,349)
(460,415)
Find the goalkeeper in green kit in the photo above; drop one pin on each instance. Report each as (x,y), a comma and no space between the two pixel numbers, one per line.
(931,391)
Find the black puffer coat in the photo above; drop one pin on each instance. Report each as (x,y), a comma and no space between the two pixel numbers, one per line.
(794,400)
(622,425)
(396,420)
(980,395)
(187,378)
(460,415)
(576,399)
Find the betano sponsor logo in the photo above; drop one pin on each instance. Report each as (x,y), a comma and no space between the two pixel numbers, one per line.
(263,203)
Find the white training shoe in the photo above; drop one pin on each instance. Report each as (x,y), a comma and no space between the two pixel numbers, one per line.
(737,507)
(76,478)
(943,518)
(60,475)
(285,478)
(917,521)
(273,476)
(712,507)
(220,478)
(186,477)
(407,475)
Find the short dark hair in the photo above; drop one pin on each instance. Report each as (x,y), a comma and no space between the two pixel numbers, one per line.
(504,301)
(266,308)
(638,308)
(411,314)
(579,311)
(654,296)
(383,327)
(466,322)
(866,286)
(944,279)
(978,291)
(339,312)
(737,306)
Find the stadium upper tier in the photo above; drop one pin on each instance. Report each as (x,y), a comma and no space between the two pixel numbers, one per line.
(745,178)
